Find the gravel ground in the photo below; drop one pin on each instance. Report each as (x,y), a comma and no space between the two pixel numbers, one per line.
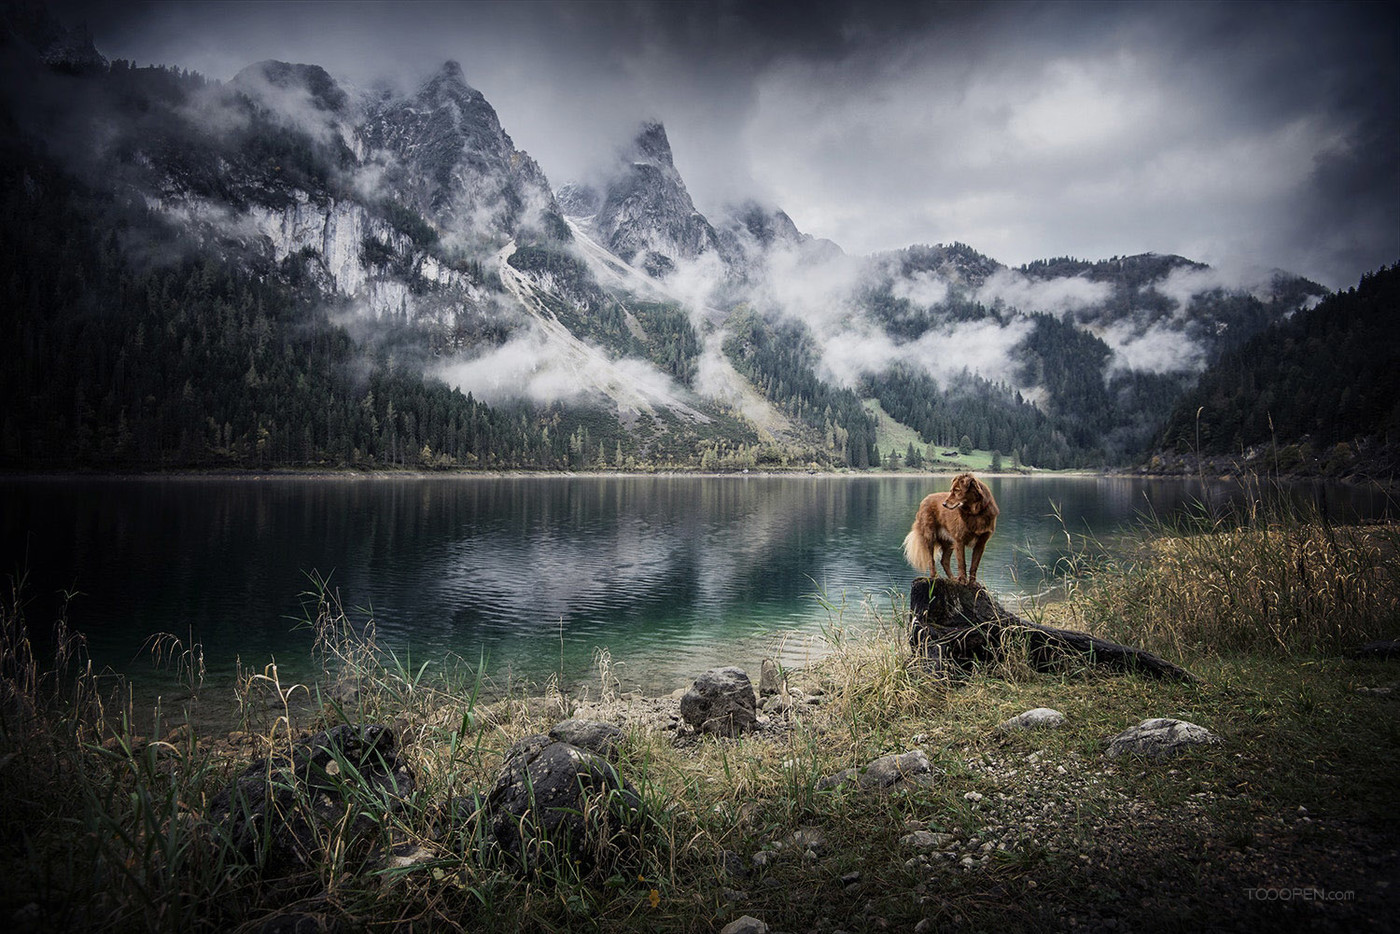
(1058,837)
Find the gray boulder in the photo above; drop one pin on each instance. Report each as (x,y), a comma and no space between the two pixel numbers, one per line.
(555,802)
(1035,718)
(721,702)
(278,810)
(895,772)
(1159,737)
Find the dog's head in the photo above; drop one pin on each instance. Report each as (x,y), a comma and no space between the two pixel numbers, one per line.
(970,495)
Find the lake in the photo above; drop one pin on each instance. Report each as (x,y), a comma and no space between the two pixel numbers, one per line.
(671,574)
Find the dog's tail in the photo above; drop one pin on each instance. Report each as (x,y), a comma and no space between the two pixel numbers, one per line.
(916,552)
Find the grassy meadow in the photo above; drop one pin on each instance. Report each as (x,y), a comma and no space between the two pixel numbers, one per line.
(1290,822)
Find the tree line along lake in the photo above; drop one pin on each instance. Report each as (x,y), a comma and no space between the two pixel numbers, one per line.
(527,576)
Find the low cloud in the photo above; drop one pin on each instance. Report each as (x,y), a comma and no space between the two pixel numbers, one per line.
(982,347)
(291,102)
(1156,349)
(849,354)
(541,368)
(1184,283)
(695,281)
(523,367)
(1055,296)
(923,289)
(817,292)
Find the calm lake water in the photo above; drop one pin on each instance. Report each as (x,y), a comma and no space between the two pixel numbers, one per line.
(671,575)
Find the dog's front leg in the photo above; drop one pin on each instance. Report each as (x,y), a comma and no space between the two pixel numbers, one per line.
(962,564)
(977,548)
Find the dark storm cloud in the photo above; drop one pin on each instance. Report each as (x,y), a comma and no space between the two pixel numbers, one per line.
(1243,134)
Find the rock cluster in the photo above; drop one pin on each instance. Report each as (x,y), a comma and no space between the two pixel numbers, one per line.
(561,797)
(558,795)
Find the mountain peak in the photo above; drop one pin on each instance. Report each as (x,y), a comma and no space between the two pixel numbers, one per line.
(765,224)
(325,93)
(58,46)
(455,164)
(645,214)
(449,82)
(651,143)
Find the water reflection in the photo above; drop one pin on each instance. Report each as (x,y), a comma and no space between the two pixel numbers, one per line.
(670,574)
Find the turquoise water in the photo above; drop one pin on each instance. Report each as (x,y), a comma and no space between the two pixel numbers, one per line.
(671,575)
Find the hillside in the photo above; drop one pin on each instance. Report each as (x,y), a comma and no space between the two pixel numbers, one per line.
(1318,392)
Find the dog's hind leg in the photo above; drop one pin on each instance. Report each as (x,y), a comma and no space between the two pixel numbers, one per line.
(943,551)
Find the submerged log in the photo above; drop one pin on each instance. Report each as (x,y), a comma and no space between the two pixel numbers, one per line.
(954,624)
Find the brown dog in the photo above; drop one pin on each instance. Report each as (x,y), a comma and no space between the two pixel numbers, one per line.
(965,515)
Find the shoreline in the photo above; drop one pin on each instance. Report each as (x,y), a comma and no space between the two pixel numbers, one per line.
(381,475)
(466,475)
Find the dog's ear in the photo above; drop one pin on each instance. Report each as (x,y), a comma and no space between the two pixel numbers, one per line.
(985,501)
(973,499)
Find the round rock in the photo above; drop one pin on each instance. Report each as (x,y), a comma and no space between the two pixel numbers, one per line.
(894,772)
(1159,737)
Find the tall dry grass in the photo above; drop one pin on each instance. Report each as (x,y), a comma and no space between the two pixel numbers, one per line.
(1272,577)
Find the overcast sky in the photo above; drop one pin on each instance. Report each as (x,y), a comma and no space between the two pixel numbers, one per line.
(1241,134)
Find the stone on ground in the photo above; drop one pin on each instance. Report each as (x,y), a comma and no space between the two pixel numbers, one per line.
(1036,718)
(1159,737)
(721,702)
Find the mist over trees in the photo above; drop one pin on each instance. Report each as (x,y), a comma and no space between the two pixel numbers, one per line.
(1325,377)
